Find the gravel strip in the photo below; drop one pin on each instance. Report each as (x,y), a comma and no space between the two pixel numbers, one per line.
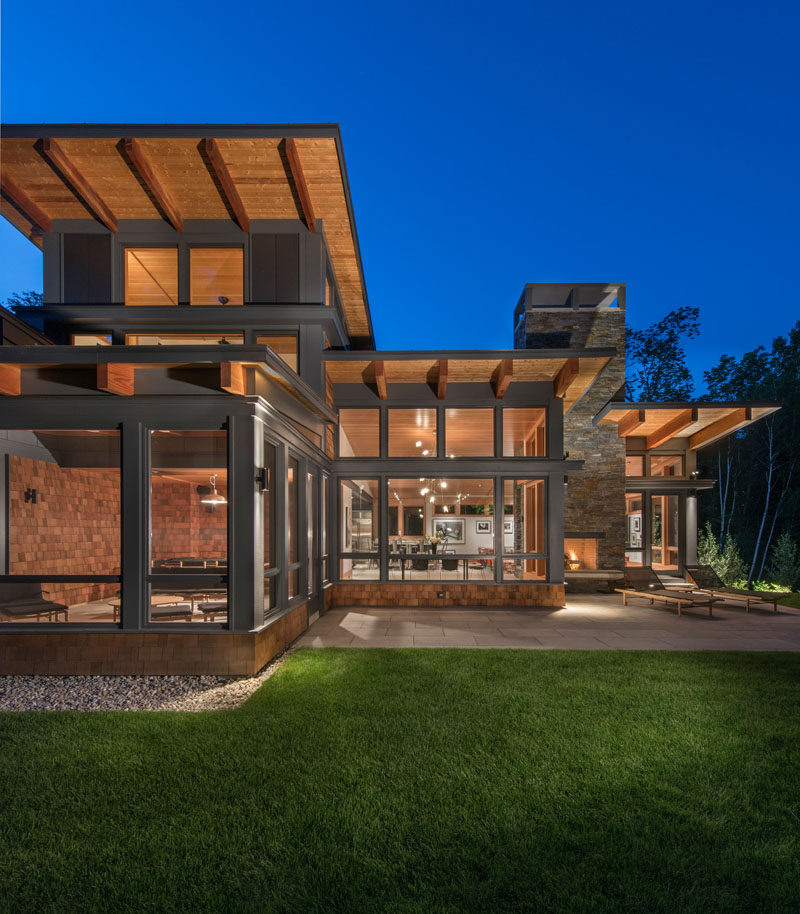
(131,693)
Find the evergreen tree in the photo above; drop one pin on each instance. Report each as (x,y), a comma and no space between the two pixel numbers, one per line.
(784,563)
(657,369)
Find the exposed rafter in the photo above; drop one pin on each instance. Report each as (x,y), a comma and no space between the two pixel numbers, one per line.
(565,377)
(501,377)
(631,423)
(144,169)
(232,378)
(74,177)
(229,190)
(10,380)
(296,168)
(441,380)
(31,209)
(735,420)
(680,423)
(380,380)
(115,378)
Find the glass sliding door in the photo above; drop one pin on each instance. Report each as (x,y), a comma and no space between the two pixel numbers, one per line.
(634,525)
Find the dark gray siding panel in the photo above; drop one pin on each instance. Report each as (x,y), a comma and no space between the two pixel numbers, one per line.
(262,259)
(87,269)
(287,274)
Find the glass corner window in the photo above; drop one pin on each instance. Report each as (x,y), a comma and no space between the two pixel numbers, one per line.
(524,432)
(151,276)
(216,276)
(412,433)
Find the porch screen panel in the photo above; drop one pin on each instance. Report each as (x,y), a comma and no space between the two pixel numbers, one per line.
(63,518)
(292,550)
(189,525)
(268,522)
(359,529)
(524,432)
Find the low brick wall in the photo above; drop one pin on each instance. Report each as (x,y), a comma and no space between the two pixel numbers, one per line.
(372,593)
(154,653)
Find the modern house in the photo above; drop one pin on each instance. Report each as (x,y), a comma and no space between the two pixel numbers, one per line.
(203,449)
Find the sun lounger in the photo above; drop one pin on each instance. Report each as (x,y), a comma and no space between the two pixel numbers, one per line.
(19,601)
(708,581)
(644,582)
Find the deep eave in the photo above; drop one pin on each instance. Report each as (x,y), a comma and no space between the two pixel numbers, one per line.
(26,204)
(700,422)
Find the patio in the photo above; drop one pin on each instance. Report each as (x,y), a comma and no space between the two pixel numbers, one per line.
(588,622)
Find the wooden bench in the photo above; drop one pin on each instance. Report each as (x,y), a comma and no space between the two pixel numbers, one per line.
(645,583)
(708,581)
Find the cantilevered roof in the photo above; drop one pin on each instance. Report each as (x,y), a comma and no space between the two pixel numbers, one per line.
(114,172)
(700,422)
(571,371)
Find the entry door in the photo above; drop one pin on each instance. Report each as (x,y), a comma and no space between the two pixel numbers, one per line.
(664,532)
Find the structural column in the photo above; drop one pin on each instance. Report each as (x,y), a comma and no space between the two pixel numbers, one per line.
(135,497)
(245,520)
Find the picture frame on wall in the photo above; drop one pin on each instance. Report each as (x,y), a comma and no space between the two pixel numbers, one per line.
(452,526)
(508,526)
(483,526)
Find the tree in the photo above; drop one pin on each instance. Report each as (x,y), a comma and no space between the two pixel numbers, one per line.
(758,466)
(727,561)
(29,299)
(784,563)
(657,367)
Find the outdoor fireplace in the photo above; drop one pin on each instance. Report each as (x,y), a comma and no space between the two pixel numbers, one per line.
(580,552)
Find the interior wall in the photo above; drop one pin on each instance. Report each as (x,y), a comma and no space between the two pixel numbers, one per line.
(184,527)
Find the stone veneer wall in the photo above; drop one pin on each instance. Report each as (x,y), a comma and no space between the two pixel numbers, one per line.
(595,498)
(72,528)
(153,653)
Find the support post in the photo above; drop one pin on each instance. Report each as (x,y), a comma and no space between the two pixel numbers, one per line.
(245,575)
(135,509)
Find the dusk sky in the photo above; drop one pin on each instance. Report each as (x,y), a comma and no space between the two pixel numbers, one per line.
(488,145)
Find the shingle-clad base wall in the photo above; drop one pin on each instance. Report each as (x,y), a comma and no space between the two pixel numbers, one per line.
(373,593)
(148,653)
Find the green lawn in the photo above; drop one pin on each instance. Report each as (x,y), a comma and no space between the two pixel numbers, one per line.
(792,600)
(422,780)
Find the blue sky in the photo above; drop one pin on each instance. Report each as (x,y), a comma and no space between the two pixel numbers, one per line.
(488,145)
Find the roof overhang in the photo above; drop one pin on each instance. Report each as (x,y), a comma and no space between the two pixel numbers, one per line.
(176,173)
(700,423)
(570,371)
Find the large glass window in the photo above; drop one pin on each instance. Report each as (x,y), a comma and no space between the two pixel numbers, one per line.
(524,529)
(182,339)
(189,526)
(359,432)
(359,529)
(311,522)
(268,519)
(63,517)
(412,433)
(634,519)
(634,466)
(151,276)
(469,432)
(668,465)
(216,276)
(91,339)
(445,529)
(323,530)
(282,344)
(524,432)
(293,551)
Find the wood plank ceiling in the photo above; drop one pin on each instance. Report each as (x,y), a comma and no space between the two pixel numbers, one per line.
(179,178)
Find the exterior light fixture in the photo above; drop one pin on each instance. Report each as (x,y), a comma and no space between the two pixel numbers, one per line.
(213,497)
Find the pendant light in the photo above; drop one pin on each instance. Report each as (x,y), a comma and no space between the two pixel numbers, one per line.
(214,497)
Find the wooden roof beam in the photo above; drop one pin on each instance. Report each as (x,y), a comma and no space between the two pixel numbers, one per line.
(631,423)
(232,378)
(682,421)
(441,380)
(566,375)
(299,178)
(10,380)
(380,380)
(75,178)
(502,377)
(230,193)
(727,425)
(115,378)
(32,210)
(144,169)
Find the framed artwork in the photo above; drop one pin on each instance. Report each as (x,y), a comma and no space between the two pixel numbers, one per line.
(508,526)
(453,527)
(636,523)
(483,526)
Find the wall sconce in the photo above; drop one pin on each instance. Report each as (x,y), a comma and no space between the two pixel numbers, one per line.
(262,479)
(32,496)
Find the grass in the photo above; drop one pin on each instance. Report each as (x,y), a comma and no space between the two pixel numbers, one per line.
(422,781)
(792,600)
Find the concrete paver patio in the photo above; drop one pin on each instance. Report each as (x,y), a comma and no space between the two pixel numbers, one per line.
(588,622)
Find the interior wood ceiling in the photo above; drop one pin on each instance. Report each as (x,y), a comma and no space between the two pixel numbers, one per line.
(258,169)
